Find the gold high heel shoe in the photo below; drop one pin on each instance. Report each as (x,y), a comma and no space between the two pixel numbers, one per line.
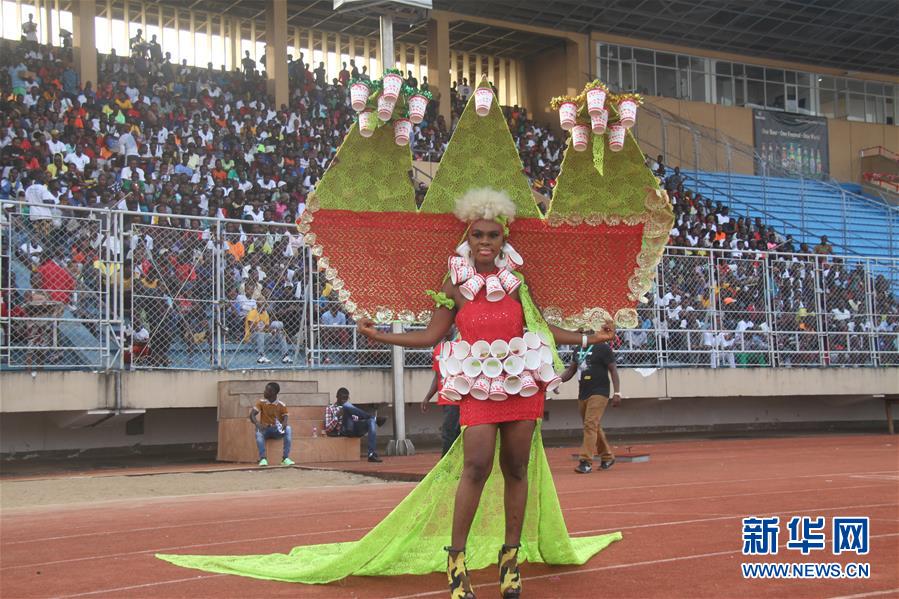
(509,576)
(457,574)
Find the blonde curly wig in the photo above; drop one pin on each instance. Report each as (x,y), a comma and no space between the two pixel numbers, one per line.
(484,203)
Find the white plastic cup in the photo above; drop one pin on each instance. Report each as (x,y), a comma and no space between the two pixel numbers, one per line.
(448,392)
(532,339)
(599,122)
(461,272)
(596,100)
(470,288)
(627,113)
(497,390)
(532,359)
(544,337)
(617,132)
(441,364)
(461,349)
(512,385)
(518,347)
(580,135)
(402,130)
(499,349)
(446,349)
(546,355)
(359,93)
(453,366)
(385,107)
(483,99)
(568,115)
(417,107)
(508,280)
(462,384)
(546,373)
(513,256)
(553,384)
(366,123)
(513,365)
(528,385)
(393,83)
(471,367)
(495,291)
(492,367)
(481,388)
(480,349)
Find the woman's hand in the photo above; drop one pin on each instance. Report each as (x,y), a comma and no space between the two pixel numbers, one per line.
(604,335)
(366,326)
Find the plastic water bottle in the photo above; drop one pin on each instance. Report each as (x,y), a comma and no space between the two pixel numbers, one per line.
(314,431)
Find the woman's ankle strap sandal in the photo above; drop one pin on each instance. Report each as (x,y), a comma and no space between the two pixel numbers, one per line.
(457,574)
(509,576)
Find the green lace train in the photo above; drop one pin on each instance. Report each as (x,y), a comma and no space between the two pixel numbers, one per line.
(411,538)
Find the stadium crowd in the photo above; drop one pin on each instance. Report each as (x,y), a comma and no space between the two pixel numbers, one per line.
(186,145)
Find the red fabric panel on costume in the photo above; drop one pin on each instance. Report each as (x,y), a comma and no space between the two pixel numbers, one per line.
(577,267)
(388,258)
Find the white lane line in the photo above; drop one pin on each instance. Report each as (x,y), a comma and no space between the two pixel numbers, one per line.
(723,482)
(870,594)
(179,547)
(143,586)
(582,571)
(385,506)
(729,496)
(740,517)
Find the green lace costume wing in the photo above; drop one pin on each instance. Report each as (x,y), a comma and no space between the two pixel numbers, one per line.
(411,538)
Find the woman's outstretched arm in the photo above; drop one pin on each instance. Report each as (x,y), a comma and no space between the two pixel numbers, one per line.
(436,330)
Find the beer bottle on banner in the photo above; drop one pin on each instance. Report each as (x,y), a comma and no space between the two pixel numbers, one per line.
(805,160)
(783,157)
(813,164)
(821,167)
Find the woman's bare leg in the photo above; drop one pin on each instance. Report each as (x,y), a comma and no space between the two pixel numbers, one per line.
(479,445)
(514,454)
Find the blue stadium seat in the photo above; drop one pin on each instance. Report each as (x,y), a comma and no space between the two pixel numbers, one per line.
(779,202)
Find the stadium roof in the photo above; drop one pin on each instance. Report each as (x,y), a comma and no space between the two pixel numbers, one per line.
(861,35)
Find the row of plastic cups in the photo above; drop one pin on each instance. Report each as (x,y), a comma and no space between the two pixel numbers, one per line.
(491,366)
(498,285)
(500,387)
(500,348)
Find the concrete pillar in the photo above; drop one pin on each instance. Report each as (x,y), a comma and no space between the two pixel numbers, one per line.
(438,65)
(577,68)
(235,42)
(276,51)
(85,40)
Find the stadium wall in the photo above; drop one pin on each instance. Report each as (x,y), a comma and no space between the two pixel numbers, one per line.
(546,77)
(180,405)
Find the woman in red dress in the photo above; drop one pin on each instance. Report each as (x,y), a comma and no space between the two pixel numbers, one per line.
(487,212)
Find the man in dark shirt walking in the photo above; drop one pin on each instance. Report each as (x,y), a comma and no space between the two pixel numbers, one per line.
(597,364)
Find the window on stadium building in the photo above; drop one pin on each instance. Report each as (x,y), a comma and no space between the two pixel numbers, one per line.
(698,79)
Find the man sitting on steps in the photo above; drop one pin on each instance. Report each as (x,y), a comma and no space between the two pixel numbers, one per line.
(272,423)
(343,419)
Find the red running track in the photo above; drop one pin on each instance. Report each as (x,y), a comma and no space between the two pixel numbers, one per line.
(680,514)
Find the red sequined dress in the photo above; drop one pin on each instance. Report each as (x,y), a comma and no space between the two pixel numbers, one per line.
(480,319)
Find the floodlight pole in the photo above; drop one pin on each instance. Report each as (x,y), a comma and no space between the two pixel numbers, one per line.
(388,58)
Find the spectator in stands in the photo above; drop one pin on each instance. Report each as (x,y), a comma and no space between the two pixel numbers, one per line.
(343,419)
(824,247)
(269,416)
(29,29)
(674,181)
(259,327)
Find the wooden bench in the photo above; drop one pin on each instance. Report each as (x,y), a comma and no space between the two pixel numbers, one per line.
(306,411)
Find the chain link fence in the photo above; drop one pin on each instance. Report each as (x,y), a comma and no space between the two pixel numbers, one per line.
(102,289)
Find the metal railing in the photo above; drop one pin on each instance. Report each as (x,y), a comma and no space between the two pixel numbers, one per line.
(112,290)
(698,149)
